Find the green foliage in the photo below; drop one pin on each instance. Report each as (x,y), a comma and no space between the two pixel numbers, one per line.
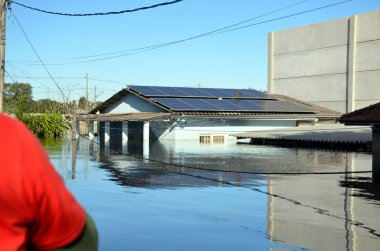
(49,106)
(17,98)
(82,103)
(48,125)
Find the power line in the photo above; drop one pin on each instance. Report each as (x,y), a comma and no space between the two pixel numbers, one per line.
(14,81)
(154,47)
(214,32)
(56,77)
(288,16)
(97,13)
(17,68)
(39,58)
(186,39)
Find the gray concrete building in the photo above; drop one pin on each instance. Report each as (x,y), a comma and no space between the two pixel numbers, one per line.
(334,64)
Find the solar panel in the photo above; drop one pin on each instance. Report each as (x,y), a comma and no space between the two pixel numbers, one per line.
(194,92)
(170,91)
(175,104)
(147,90)
(250,93)
(164,91)
(223,105)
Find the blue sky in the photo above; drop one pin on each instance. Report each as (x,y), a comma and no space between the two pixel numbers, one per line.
(235,59)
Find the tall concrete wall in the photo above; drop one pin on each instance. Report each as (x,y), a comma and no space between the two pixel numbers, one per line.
(334,64)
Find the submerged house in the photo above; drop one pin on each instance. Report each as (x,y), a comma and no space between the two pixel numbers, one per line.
(207,115)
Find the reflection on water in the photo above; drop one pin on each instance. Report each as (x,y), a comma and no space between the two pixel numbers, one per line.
(211,197)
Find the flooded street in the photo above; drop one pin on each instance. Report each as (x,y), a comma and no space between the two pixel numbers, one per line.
(222,197)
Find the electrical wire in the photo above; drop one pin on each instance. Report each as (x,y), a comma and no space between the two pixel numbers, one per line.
(288,16)
(56,77)
(39,58)
(97,13)
(14,81)
(194,37)
(214,32)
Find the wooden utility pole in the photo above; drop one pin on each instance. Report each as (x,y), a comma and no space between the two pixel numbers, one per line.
(86,107)
(74,121)
(2,51)
(94,96)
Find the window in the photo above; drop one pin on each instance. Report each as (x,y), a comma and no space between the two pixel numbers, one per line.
(218,139)
(205,139)
(211,139)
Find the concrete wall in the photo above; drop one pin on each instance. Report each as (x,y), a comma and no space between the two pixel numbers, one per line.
(131,103)
(334,64)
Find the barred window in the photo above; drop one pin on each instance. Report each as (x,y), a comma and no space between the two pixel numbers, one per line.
(205,139)
(218,139)
(212,139)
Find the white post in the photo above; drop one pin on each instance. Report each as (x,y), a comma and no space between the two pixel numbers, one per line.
(107,133)
(124,132)
(146,131)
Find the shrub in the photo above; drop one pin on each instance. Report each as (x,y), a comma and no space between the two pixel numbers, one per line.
(47,125)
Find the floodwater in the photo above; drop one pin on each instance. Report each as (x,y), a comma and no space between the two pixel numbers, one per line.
(191,196)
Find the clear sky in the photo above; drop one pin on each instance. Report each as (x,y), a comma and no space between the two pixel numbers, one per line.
(234,59)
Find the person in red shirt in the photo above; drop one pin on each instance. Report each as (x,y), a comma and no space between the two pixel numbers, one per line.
(37,212)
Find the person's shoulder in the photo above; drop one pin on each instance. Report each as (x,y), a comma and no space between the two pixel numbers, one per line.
(12,127)
(6,118)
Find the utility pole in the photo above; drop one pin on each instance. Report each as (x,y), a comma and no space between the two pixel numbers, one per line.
(94,96)
(2,51)
(86,107)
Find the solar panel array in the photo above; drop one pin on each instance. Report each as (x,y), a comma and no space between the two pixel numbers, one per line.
(162,91)
(216,100)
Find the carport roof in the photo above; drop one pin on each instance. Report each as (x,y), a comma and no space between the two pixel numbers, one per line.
(366,116)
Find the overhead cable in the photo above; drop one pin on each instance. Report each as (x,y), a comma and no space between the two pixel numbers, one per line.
(39,58)
(287,16)
(14,81)
(214,32)
(97,13)
(190,38)
(218,31)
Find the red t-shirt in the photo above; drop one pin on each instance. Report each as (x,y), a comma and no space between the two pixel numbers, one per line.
(36,209)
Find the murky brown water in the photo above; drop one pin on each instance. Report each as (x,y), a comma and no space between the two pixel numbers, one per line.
(213,198)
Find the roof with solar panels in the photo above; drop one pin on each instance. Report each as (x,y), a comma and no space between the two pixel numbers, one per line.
(217,102)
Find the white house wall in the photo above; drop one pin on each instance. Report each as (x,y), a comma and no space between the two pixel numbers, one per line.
(131,103)
(191,129)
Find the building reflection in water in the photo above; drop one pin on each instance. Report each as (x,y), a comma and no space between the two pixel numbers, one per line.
(335,211)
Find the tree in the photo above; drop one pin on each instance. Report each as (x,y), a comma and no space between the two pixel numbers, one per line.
(82,103)
(48,106)
(17,98)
